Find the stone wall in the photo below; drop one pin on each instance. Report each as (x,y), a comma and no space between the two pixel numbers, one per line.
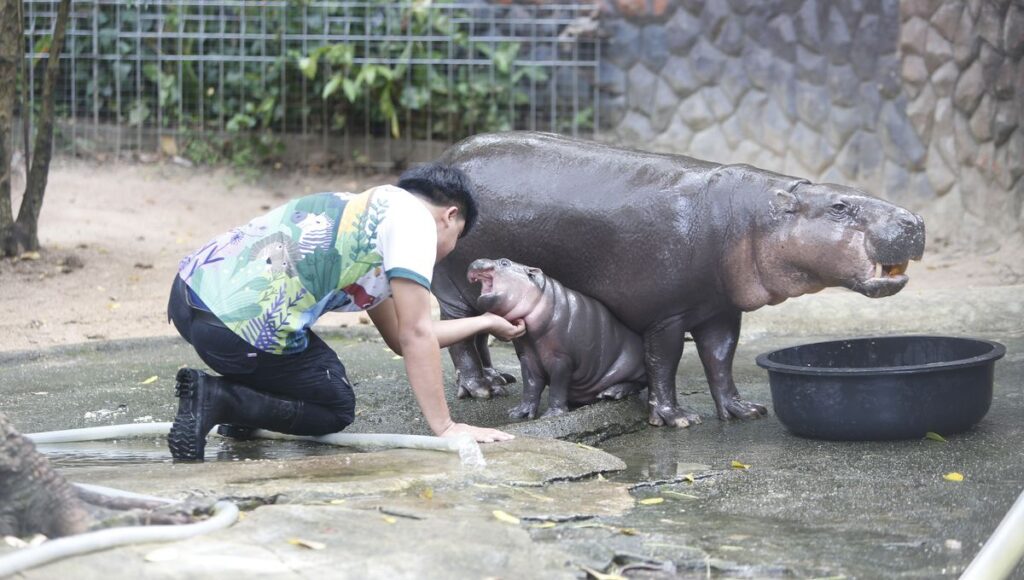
(920,101)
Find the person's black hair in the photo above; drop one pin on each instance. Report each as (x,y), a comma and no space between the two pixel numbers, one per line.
(442,185)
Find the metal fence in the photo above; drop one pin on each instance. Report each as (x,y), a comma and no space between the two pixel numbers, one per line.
(375,83)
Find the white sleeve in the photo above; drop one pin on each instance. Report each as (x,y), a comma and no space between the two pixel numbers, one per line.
(408,240)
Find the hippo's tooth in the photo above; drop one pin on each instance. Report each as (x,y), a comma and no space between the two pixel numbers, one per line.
(894,270)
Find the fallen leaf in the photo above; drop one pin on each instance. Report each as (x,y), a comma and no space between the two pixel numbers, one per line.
(731,548)
(953,476)
(689,477)
(585,446)
(935,437)
(652,501)
(682,495)
(600,575)
(30,256)
(149,381)
(389,519)
(162,555)
(427,493)
(41,393)
(337,501)
(143,266)
(485,485)
(544,525)
(113,306)
(505,517)
(738,465)
(309,544)
(396,357)
(600,477)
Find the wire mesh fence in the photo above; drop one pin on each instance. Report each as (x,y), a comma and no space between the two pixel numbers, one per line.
(369,83)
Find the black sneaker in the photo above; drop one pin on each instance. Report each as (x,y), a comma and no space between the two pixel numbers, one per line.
(196,415)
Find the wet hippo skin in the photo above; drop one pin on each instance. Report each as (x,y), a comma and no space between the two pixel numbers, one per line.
(669,244)
(573,343)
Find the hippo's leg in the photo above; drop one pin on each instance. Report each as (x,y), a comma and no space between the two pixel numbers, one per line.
(470,378)
(663,347)
(559,377)
(621,391)
(495,378)
(533,386)
(716,344)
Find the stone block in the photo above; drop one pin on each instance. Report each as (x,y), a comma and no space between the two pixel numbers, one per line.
(812,67)
(946,19)
(920,8)
(937,50)
(1005,120)
(612,79)
(1005,79)
(966,146)
(1013,32)
(696,113)
(1015,155)
(811,149)
(780,37)
(682,32)
(914,36)
(944,78)
(654,49)
(730,37)
(969,88)
(750,114)
(635,129)
(661,9)
(665,104)
(613,110)
(861,158)
(710,144)
(914,70)
(983,118)
(843,122)
(965,47)
(641,90)
(921,112)
(869,104)
(676,137)
(678,75)
(777,127)
(896,182)
(759,64)
(623,43)
(808,22)
(743,6)
(706,62)
(837,37)
(866,47)
(713,14)
(812,104)
(990,25)
(902,143)
(719,103)
(734,80)
(732,130)
(843,85)
(783,90)
(631,8)
(888,76)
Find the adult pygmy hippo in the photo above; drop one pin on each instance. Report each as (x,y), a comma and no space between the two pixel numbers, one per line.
(572,342)
(669,244)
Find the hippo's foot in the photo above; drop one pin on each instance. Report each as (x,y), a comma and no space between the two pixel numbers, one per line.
(673,416)
(555,411)
(620,391)
(480,387)
(497,377)
(735,407)
(524,410)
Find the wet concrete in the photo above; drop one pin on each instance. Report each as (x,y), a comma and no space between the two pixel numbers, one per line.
(804,508)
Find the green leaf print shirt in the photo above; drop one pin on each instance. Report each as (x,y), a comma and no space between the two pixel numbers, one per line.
(271,279)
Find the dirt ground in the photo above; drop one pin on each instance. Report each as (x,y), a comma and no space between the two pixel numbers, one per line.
(113,234)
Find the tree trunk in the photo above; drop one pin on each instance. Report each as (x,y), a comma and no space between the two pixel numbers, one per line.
(10,58)
(26,227)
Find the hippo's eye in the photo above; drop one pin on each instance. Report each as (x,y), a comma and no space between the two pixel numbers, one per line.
(504,263)
(839,207)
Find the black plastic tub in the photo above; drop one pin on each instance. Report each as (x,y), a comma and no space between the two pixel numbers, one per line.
(898,387)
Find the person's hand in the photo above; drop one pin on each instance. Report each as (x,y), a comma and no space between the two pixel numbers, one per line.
(480,434)
(503,329)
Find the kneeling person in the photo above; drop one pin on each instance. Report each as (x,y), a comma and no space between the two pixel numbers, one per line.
(247,299)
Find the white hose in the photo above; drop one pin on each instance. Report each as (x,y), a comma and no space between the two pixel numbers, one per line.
(225,513)
(1004,548)
(465,446)
(113,492)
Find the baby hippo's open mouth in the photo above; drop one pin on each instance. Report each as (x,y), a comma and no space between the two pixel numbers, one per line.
(484,277)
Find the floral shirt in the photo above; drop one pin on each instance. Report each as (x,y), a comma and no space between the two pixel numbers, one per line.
(269,280)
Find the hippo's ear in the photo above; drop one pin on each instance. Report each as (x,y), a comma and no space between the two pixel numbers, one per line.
(783,203)
(534,272)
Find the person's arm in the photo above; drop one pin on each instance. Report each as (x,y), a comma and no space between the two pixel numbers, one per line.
(420,348)
(448,332)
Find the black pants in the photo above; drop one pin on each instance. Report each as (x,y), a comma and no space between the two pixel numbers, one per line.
(315,377)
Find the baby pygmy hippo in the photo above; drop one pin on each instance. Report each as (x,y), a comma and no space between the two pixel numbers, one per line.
(573,343)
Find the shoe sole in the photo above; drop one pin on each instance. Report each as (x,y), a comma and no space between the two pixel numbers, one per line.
(182,439)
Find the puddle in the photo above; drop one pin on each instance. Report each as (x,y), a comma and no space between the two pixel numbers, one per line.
(149,450)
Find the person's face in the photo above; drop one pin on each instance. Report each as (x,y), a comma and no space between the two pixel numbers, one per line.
(450,223)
